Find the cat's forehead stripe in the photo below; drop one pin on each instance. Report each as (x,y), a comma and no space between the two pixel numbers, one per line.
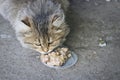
(41,24)
(41,18)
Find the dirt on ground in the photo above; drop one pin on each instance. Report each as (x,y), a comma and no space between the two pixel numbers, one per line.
(91,22)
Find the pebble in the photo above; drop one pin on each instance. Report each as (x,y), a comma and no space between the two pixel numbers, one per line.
(4,36)
(102,43)
(87,0)
(108,0)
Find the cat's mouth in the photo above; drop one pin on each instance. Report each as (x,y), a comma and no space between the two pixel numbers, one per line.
(46,52)
(49,51)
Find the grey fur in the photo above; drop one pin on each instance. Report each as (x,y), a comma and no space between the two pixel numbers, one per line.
(39,10)
(10,9)
(41,13)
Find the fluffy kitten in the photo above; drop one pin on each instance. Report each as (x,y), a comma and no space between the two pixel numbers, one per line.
(39,24)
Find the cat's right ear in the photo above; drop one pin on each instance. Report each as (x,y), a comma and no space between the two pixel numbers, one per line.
(58,18)
(27,21)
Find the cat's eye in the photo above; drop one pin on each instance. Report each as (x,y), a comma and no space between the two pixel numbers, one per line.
(50,43)
(38,44)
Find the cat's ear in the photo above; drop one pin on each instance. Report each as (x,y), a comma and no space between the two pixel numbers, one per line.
(58,19)
(27,21)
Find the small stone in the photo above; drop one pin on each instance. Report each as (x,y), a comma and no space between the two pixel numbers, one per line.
(87,0)
(4,36)
(94,52)
(102,43)
(108,0)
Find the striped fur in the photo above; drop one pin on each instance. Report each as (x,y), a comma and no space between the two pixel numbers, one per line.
(39,24)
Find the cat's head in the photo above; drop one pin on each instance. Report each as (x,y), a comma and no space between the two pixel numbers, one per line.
(44,33)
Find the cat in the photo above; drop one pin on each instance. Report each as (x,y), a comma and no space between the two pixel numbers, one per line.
(39,24)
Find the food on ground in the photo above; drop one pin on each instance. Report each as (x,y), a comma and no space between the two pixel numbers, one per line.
(57,57)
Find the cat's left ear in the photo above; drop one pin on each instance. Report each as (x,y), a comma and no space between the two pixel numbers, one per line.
(27,21)
(58,18)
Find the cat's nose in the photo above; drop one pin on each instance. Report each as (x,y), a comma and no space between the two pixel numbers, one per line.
(45,49)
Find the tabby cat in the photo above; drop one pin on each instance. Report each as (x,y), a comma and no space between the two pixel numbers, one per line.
(39,24)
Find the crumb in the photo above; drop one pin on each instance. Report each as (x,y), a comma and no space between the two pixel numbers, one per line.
(102,43)
(108,0)
(87,0)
